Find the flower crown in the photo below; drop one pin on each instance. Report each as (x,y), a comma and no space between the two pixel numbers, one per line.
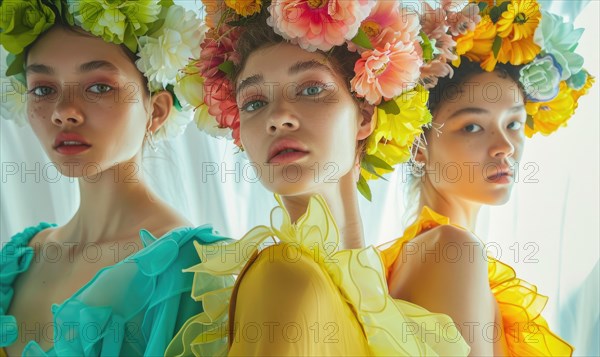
(387,73)
(164,37)
(519,33)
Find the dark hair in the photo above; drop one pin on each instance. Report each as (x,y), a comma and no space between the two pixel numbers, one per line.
(447,87)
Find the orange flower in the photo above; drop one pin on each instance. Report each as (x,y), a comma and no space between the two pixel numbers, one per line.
(477,45)
(244,7)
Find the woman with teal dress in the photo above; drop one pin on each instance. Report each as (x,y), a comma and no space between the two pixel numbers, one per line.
(99,80)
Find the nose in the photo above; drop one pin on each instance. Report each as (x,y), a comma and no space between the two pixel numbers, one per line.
(282,118)
(502,146)
(67,111)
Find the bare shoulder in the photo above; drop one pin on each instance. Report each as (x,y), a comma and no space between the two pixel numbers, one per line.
(441,259)
(43,237)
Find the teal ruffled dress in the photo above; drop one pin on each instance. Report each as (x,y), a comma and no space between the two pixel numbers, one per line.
(135,306)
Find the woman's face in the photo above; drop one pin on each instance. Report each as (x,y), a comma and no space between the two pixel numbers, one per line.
(298,122)
(86,102)
(480,139)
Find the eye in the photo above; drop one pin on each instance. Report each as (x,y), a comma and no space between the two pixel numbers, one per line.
(42,91)
(252,105)
(100,88)
(515,125)
(312,90)
(472,128)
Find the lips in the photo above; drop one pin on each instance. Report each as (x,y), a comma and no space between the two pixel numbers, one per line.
(70,143)
(285,151)
(503,175)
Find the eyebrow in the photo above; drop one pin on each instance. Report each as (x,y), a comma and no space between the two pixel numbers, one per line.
(298,67)
(476,110)
(86,67)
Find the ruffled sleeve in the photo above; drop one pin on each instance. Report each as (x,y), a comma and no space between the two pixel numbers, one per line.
(15,258)
(132,308)
(526,332)
(391,327)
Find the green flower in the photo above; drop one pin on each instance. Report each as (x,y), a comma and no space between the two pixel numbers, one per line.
(22,21)
(116,21)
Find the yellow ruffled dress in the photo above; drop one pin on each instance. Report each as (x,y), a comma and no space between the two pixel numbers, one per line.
(526,332)
(301,296)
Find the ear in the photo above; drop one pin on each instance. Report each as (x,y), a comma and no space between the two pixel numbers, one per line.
(367,121)
(421,155)
(162,104)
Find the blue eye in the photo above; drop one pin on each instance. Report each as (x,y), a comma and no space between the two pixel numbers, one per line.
(472,128)
(515,125)
(253,105)
(312,90)
(100,88)
(42,91)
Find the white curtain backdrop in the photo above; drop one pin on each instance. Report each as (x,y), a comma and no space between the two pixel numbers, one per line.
(549,231)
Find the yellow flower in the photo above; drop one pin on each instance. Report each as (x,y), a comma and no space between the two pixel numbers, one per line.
(583,91)
(549,116)
(394,134)
(477,45)
(520,20)
(244,7)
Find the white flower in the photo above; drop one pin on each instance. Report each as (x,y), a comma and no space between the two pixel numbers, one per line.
(560,40)
(168,50)
(13,101)
(208,124)
(174,125)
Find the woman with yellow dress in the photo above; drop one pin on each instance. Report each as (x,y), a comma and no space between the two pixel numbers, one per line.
(302,85)
(513,74)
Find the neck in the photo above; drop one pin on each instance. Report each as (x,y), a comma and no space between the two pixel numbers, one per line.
(112,203)
(461,212)
(342,200)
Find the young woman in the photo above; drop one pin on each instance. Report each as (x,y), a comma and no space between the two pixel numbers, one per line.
(303,122)
(101,284)
(468,158)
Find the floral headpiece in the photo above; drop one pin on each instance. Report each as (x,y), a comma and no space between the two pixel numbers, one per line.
(519,33)
(387,36)
(164,37)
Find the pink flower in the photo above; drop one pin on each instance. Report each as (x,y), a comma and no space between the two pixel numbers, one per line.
(220,99)
(432,71)
(432,19)
(218,46)
(388,22)
(463,21)
(444,43)
(318,24)
(387,72)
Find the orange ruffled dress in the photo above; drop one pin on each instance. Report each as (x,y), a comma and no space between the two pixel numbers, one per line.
(304,297)
(525,330)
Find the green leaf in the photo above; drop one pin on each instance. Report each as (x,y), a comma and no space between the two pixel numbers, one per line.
(529,122)
(482,6)
(370,169)
(17,66)
(495,13)
(426,46)
(227,67)
(390,107)
(377,162)
(497,45)
(363,188)
(176,102)
(362,40)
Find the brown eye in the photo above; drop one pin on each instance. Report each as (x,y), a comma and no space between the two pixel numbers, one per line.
(42,91)
(472,128)
(100,88)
